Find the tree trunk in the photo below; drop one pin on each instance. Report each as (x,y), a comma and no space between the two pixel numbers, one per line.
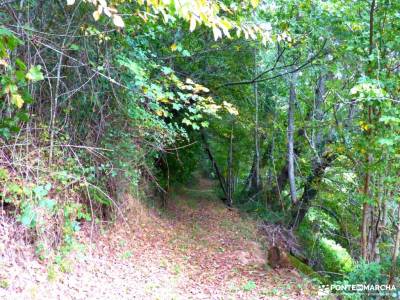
(396,247)
(220,177)
(248,186)
(283,177)
(275,192)
(229,188)
(256,177)
(310,189)
(291,158)
(366,219)
(318,114)
(250,189)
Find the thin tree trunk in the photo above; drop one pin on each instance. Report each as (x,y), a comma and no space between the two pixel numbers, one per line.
(366,207)
(318,112)
(275,192)
(249,179)
(229,200)
(220,177)
(283,176)
(310,189)
(396,247)
(249,185)
(365,221)
(292,182)
(379,221)
(256,135)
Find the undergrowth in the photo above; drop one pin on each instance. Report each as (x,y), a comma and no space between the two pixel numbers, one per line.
(53,199)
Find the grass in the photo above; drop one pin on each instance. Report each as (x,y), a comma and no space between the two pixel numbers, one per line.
(196,230)
(126,255)
(242,227)
(66,266)
(163,263)
(51,273)
(177,269)
(249,286)
(4,284)
(188,202)
(270,292)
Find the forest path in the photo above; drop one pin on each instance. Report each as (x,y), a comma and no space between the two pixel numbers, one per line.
(195,249)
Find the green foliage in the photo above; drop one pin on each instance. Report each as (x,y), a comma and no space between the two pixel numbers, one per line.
(167,97)
(335,257)
(47,205)
(178,166)
(99,196)
(127,255)
(34,74)
(366,273)
(329,255)
(51,273)
(4,284)
(259,210)
(249,286)
(116,99)
(14,82)
(306,270)
(194,12)
(31,199)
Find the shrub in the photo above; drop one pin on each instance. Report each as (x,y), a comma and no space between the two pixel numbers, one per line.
(366,274)
(336,258)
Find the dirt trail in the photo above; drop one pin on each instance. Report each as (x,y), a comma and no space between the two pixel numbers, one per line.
(195,249)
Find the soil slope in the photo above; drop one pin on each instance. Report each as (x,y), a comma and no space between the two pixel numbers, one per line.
(194,249)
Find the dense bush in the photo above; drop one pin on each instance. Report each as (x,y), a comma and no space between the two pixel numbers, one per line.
(335,257)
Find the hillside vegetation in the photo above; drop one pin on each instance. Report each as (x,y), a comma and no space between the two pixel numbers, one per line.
(194,249)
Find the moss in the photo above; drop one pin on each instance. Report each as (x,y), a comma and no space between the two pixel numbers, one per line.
(334,258)
(306,269)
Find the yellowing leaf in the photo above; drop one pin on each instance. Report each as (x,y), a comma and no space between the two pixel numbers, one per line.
(96,15)
(255,3)
(164,100)
(230,108)
(200,88)
(217,32)
(173,47)
(226,26)
(3,62)
(161,112)
(17,100)
(192,23)
(118,21)
(111,10)
(11,89)
(340,149)
(34,74)
(189,81)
